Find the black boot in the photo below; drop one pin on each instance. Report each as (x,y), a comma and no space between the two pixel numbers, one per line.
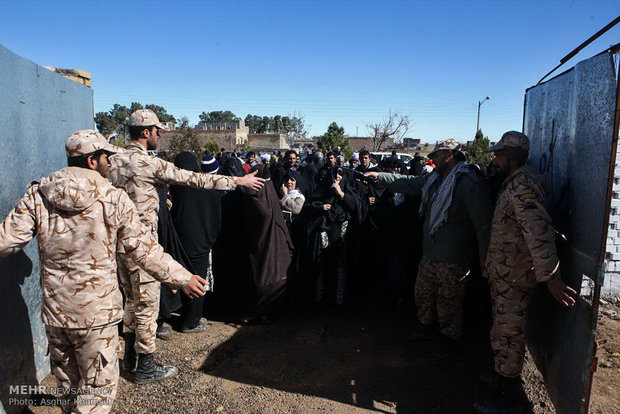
(509,399)
(129,357)
(148,370)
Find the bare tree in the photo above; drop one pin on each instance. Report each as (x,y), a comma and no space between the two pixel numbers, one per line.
(297,128)
(395,125)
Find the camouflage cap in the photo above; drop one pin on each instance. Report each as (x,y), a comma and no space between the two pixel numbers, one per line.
(145,118)
(87,141)
(511,139)
(447,144)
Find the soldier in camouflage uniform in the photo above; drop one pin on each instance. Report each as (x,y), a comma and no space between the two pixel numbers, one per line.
(521,254)
(79,218)
(140,175)
(456,211)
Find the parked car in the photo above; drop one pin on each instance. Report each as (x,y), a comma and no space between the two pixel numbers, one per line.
(380,156)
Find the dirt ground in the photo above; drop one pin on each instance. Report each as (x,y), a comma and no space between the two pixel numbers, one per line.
(338,361)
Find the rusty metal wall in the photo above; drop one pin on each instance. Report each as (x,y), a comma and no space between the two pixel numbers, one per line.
(569,120)
(39,109)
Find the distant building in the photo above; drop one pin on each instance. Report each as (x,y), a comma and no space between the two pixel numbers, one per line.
(268,142)
(411,143)
(229,134)
(172,126)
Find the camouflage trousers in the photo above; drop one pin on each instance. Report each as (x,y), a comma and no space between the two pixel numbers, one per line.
(510,304)
(85,364)
(142,294)
(440,288)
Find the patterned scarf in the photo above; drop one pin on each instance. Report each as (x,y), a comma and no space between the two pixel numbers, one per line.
(442,198)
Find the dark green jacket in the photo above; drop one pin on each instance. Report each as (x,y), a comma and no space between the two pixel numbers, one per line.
(469,217)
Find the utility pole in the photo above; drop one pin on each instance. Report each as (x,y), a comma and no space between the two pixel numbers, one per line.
(479,105)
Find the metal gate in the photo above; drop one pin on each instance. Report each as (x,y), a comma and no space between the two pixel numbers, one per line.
(572,124)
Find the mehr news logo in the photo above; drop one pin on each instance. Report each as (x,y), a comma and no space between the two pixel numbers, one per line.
(42,395)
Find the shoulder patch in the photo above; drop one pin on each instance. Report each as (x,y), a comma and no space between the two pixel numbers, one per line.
(527,196)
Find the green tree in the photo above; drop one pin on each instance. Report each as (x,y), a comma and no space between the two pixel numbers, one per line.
(212,146)
(161,113)
(115,120)
(476,152)
(218,116)
(334,138)
(185,139)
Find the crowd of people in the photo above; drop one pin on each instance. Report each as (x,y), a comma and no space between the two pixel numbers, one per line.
(271,231)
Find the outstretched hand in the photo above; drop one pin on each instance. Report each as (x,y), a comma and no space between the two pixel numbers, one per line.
(562,293)
(251,181)
(195,287)
(373,175)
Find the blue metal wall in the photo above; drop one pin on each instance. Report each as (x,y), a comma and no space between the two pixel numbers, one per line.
(39,109)
(570,121)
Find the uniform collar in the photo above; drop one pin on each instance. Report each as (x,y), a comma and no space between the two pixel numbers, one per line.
(136,145)
(522,169)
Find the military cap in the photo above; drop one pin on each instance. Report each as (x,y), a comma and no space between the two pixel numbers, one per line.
(511,139)
(87,141)
(447,144)
(145,118)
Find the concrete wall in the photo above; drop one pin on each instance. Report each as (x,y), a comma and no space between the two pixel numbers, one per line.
(39,109)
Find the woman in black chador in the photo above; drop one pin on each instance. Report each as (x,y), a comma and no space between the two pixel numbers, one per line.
(269,248)
(320,233)
(197,216)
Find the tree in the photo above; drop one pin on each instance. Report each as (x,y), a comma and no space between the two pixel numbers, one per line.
(395,126)
(296,130)
(212,146)
(294,126)
(115,120)
(161,113)
(334,138)
(185,140)
(218,116)
(476,152)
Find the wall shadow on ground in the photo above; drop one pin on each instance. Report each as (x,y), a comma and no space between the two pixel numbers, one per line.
(357,356)
(17,363)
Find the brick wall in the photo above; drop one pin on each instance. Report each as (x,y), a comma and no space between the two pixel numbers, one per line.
(612,275)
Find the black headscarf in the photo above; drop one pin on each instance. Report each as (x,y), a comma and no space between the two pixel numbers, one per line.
(233,167)
(197,215)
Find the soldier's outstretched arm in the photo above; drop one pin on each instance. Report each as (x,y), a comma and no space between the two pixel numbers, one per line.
(145,251)
(398,183)
(167,173)
(19,227)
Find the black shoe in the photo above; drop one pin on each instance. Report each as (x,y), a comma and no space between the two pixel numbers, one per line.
(148,370)
(164,331)
(510,399)
(129,357)
(200,327)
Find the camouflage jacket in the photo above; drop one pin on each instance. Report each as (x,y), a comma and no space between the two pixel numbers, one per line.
(78,218)
(139,175)
(522,247)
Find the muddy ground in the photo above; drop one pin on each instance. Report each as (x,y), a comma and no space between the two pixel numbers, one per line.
(337,361)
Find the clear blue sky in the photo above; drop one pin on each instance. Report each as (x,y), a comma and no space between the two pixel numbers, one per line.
(344,61)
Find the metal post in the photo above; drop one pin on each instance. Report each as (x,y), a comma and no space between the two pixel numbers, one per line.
(479,105)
